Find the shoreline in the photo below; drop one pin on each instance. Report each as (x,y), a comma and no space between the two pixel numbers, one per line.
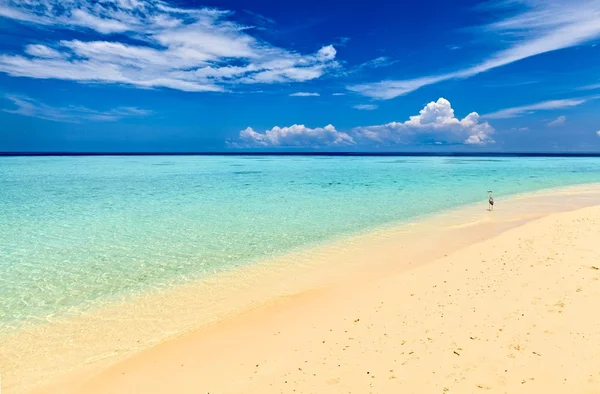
(269,283)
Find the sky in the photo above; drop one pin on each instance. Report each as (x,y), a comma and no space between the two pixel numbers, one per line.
(198,76)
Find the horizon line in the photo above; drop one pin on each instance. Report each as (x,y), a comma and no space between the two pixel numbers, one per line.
(303,153)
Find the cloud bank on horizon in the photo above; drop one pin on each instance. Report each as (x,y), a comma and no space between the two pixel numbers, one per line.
(436,122)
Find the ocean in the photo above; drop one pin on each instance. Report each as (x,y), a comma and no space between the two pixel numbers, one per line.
(80,232)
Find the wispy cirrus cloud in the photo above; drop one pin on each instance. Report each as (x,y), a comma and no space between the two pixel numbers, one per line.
(26,106)
(528,109)
(42,52)
(435,124)
(378,62)
(558,121)
(259,19)
(305,94)
(365,107)
(590,87)
(149,43)
(342,41)
(511,84)
(534,27)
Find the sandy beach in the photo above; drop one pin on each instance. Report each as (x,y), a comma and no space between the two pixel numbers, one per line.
(499,302)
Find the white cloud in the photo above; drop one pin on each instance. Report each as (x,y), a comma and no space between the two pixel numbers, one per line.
(72,114)
(528,109)
(327,53)
(343,41)
(436,122)
(38,50)
(510,84)
(378,62)
(82,18)
(294,136)
(558,121)
(534,27)
(598,133)
(520,129)
(386,90)
(259,19)
(365,107)
(338,94)
(184,49)
(590,87)
(305,94)
(382,61)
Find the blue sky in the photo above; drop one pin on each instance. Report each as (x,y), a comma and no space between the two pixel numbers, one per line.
(149,75)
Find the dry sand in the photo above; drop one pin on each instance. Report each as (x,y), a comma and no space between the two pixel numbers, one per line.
(512,309)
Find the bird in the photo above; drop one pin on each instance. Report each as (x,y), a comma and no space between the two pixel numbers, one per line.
(490,201)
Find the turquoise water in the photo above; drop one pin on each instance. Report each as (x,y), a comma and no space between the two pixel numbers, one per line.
(75,231)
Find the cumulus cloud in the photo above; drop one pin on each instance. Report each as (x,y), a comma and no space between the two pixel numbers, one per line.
(294,136)
(365,107)
(26,106)
(436,122)
(598,133)
(149,43)
(305,94)
(528,109)
(532,27)
(558,121)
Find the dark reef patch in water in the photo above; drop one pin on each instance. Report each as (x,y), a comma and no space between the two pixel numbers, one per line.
(401,161)
(462,161)
(247,172)
(256,158)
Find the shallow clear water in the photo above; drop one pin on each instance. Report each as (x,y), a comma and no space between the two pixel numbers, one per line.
(75,231)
